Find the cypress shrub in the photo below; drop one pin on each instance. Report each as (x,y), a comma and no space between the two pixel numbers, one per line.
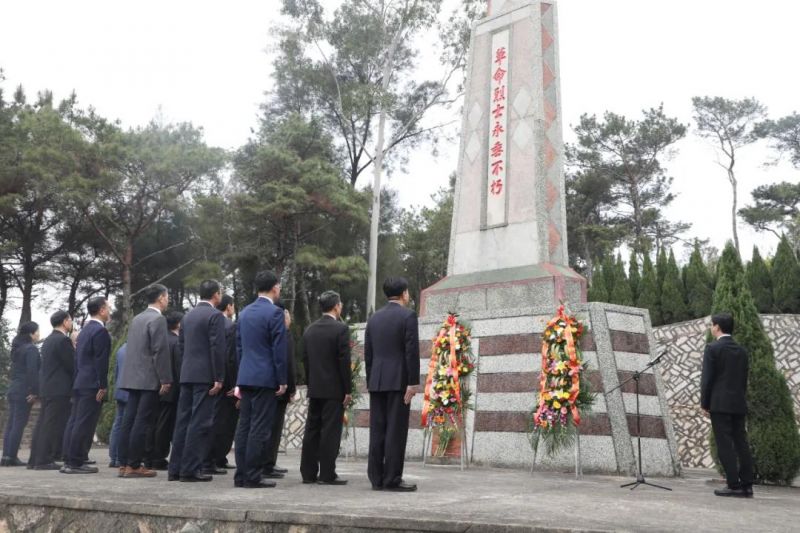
(622,288)
(786,279)
(699,292)
(673,307)
(597,289)
(759,281)
(771,424)
(648,292)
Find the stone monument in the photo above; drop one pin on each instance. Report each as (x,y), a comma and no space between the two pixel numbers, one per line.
(508,266)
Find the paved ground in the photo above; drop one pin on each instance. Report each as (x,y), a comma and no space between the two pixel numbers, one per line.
(447,496)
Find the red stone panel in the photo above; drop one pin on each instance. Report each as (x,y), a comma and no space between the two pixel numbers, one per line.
(624,341)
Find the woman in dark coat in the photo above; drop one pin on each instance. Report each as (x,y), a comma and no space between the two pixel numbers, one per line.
(23,391)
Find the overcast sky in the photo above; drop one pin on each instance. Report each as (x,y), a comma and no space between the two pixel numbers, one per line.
(209,63)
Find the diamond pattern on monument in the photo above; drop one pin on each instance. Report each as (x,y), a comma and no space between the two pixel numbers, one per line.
(473,148)
(681,371)
(522,134)
(475,114)
(522,101)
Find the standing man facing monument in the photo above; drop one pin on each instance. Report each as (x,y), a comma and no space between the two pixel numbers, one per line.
(326,358)
(89,388)
(202,342)
(391,357)
(147,374)
(261,345)
(723,395)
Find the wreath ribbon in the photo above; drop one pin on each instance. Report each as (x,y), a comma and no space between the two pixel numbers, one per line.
(426,403)
(452,365)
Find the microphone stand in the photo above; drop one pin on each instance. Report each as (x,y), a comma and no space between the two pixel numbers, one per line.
(640,480)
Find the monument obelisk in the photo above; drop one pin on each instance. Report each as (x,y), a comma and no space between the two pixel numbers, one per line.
(508,265)
(508,243)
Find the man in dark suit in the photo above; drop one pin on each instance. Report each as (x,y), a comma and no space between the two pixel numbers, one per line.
(55,389)
(391,358)
(226,415)
(723,396)
(146,375)
(160,435)
(202,342)
(271,468)
(326,357)
(261,345)
(89,388)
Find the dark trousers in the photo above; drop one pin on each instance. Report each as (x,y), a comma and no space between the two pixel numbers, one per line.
(159,435)
(19,410)
(733,449)
(48,435)
(256,414)
(192,437)
(225,418)
(276,434)
(321,439)
(113,438)
(81,426)
(140,413)
(388,432)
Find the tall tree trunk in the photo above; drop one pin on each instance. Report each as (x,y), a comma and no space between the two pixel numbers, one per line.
(126,283)
(27,293)
(377,170)
(3,290)
(734,186)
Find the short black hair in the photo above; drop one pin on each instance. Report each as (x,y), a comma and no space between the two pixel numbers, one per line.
(265,281)
(173,319)
(224,302)
(95,305)
(724,321)
(209,288)
(328,300)
(395,287)
(154,292)
(58,318)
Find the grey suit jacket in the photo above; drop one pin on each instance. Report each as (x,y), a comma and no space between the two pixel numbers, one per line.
(147,359)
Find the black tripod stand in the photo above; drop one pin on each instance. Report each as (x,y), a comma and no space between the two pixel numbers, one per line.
(635,378)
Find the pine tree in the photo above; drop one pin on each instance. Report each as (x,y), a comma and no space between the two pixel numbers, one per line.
(673,307)
(699,293)
(759,281)
(786,279)
(597,290)
(648,292)
(771,424)
(622,287)
(634,276)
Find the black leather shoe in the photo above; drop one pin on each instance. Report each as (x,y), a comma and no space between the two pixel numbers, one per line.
(78,469)
(377,487)
(12,461)
(228,466)
(173,477)
(272,475)
(729,492)
(309,481)
(196,478)
(401,487)
(215,471)
(748,491)
(90,462)
(259,485)
(48,466)
(280,470)
(337,481)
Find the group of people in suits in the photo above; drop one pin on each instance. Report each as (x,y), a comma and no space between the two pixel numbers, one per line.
(189,386)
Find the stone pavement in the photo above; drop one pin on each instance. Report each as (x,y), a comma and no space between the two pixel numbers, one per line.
(477,500)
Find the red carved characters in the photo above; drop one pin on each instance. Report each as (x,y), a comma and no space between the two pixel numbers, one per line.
(497,142)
